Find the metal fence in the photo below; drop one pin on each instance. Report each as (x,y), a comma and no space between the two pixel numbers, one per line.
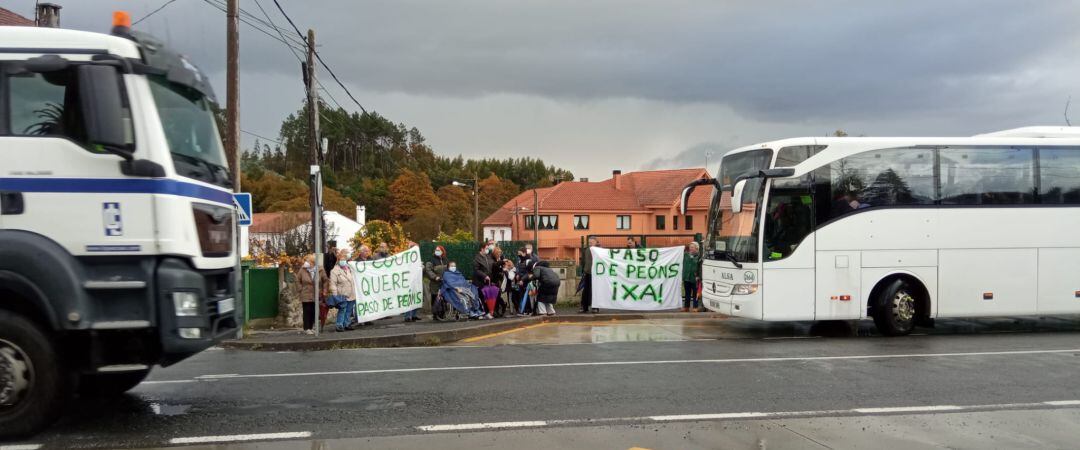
(462,253)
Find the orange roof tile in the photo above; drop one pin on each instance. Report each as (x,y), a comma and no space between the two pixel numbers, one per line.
(277,222)
(637,192)
(8,18)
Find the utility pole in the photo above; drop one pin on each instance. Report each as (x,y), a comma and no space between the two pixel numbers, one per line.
(232,124)
(232,91)
(315,198)
(476,207)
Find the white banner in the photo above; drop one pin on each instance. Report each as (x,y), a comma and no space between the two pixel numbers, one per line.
(390,286)
(639,279)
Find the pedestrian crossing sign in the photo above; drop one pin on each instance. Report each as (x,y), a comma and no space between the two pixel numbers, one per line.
(242,202)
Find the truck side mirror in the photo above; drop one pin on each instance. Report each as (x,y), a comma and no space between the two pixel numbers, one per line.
(736,196)
(102,110)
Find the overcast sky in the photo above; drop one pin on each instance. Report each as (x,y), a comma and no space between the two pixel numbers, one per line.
(594,85)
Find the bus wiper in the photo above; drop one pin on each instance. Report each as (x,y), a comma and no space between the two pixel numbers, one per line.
(727,256)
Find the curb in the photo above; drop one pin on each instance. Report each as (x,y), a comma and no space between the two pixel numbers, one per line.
(433,338)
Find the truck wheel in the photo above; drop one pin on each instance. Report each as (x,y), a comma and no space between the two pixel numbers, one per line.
(33,384)
(110,384)
(895,312)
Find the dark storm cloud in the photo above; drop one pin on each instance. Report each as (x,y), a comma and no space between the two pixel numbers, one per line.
(788,60)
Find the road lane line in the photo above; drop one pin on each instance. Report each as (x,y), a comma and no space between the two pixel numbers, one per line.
(1064,403)
(240,438)
(720,416)
(503,333)
(908,409)
(217,377)
(756,415)
(168,381)
(20,447)
(483,426)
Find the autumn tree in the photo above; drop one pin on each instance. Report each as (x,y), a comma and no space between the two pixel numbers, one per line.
(457,207)
(494,193)
(410,192)
(377,231)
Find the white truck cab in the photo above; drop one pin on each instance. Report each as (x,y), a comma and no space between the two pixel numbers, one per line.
(116,217)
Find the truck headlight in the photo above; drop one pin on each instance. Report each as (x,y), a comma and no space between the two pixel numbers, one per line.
(744,289)
(186,303)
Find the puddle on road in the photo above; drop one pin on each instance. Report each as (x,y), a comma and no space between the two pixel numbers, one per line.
(165,409)
(661,330)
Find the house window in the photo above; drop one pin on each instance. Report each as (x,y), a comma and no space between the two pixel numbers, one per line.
(547,222)
(581,222)
(660,222)
(674,222)
(502,235)
(689,220)
(622,222)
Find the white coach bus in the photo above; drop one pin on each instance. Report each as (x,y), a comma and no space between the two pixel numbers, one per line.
(901,230)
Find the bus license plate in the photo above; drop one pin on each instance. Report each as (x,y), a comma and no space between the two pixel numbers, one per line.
(225,306)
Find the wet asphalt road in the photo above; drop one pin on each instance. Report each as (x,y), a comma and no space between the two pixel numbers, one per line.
(563,388)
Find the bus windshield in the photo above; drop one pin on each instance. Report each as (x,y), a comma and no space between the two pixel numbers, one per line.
(737,233)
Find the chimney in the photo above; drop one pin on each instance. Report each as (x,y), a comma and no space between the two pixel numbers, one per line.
(361,215)
(584,180)
(48,15)
(615,175)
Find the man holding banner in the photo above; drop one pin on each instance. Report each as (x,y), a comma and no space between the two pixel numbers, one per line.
(638,279)
(390,286)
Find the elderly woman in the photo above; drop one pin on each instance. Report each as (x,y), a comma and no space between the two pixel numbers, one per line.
(343,292)
(691,276)
(308,296)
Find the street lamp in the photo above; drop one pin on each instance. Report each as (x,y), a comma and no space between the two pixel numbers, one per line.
(476,203)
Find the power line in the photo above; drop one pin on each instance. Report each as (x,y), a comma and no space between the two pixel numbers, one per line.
(248,23)
(294,52)
(262,137)
(153,12)
(319,57)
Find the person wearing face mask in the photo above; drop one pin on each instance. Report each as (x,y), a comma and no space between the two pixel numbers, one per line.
(433,271)
(363,253)
(308,297)
(343,293)
(482,265)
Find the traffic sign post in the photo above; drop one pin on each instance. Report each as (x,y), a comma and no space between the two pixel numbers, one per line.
(242,201)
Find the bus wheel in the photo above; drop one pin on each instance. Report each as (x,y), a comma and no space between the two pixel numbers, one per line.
(33,384)
(895,312)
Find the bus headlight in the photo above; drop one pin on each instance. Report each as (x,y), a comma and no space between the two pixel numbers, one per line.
(744,289)
(186,303)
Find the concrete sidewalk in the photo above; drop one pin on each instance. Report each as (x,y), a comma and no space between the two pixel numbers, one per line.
(394,332)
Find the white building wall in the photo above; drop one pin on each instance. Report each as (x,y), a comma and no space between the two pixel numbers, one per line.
(498,233)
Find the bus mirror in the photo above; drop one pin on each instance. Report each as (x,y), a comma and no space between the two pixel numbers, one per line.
(101,107)
(689,188)
(780,172)
(736,196)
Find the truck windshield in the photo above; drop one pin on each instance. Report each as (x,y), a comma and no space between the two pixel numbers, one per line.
(191,132)
(737,233)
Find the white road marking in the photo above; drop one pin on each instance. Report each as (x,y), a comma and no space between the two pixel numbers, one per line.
(721,416)
(20,447)
(240,437)
(908,409)
(233,376)
(482,426)
(754,415)
(1064,403)
(167,382)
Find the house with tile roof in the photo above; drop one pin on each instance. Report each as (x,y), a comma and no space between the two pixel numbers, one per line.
(9,18)
(633,205)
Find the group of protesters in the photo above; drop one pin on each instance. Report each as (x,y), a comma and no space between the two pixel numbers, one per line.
(336,286)
(523,286)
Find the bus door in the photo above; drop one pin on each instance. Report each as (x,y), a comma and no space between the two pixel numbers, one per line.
(788,257)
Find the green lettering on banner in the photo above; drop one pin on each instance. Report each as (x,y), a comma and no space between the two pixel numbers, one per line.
(630,291)
(404,301)
(387,303)
(612,271)
(650,291)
